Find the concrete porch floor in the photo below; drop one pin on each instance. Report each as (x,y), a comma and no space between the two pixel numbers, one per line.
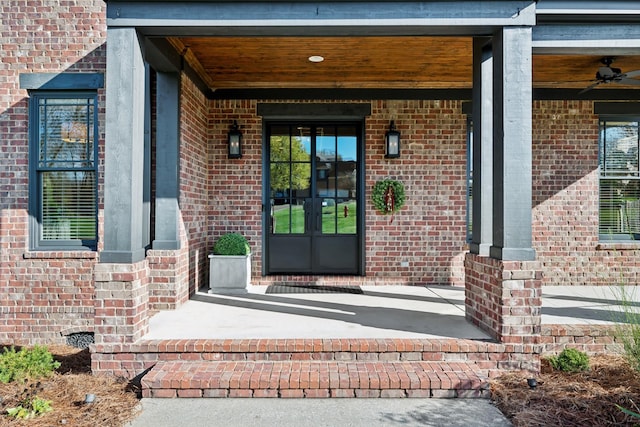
(380,312)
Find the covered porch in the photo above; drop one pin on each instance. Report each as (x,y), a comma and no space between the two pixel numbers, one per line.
(498,56)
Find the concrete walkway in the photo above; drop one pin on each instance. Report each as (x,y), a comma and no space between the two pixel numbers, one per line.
(319,413)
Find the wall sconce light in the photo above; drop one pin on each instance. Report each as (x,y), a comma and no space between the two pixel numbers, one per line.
(235,141)
(392,142)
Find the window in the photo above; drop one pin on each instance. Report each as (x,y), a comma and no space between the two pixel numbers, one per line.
(619,180)
(63,170)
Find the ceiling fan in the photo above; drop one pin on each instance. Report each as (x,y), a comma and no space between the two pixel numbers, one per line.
(608,74)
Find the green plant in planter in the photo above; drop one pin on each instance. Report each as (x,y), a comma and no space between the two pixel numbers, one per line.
(231,244)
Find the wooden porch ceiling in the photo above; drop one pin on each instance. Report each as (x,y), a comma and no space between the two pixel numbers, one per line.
(367,62)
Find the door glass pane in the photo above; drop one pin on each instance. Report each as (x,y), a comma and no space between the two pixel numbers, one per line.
(280,144)
(346,180)
(325,179)
(325,143)
(289,178)
(347,143)
(281,219)
(347,211)
(279,190)
(328,216)
(301,144)
(298,216)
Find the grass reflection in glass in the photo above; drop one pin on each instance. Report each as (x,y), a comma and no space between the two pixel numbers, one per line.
(290,219)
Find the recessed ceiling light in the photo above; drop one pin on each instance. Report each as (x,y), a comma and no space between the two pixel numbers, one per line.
(316,58)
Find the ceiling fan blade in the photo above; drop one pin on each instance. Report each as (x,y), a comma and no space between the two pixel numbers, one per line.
(604,72)
(626,81)
(588,88)
(634,73)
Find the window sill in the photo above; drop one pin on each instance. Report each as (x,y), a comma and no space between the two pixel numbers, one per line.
(60,254)
(618,246)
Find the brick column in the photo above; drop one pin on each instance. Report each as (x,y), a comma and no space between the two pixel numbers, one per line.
(168,278)
(121,301)
(504,298)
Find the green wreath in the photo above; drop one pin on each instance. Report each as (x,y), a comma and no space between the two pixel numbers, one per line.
(388,196)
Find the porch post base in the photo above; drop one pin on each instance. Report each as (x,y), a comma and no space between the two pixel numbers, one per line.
(169,279)
(121,302)
(504,298)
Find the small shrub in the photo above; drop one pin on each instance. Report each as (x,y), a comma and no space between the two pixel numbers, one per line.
(30,405)
(570,360)
(35,363)
(231,244)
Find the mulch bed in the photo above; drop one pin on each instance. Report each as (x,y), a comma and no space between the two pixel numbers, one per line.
(116,400)
(576,399)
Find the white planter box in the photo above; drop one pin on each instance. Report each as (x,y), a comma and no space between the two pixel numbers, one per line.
(229,274)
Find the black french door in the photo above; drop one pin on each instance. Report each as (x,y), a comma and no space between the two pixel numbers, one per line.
(312,182)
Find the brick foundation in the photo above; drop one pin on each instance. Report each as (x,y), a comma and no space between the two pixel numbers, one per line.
(128,360)
(168,279)
(592,339)
(504,298)
(122,302)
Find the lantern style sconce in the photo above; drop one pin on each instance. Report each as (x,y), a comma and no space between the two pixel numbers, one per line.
(235,141)
(392,142)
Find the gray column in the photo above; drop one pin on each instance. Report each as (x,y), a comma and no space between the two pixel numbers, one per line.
(512,97)
(482,188)
(167,161)
(146,189)
(124,148)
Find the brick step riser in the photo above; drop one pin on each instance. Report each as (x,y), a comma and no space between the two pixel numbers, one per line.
(314,379)
(490,363)
(130,360)
(314,393)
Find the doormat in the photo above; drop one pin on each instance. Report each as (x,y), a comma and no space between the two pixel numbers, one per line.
(312,289)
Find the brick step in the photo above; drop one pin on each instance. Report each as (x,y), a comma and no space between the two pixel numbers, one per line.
(311,378)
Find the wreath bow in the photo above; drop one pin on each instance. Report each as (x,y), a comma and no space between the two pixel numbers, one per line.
(389,201)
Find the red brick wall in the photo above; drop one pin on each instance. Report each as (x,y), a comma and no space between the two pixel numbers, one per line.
(235,198)
(177,274)
(44,293)
(592,339)
(428,233)
(565,200)
(504,298)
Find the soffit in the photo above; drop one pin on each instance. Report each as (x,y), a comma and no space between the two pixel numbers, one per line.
(366,62)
